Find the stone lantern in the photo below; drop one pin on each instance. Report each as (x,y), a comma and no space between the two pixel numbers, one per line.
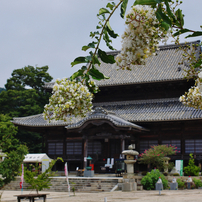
(166,162)
(129,183)
(130,159)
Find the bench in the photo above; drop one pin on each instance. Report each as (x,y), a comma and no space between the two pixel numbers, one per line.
(31,197)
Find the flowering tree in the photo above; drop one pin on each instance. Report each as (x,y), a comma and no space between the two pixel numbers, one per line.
(148,22)
(154,155)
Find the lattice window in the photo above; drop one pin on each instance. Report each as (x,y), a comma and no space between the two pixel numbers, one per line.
(55,148)
(144,145)
(74,148)
(94,147)
(175,143)
(193,146)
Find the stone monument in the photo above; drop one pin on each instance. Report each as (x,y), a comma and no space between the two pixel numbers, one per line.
(189,182)
(174,184)
(129,183)
(159,185)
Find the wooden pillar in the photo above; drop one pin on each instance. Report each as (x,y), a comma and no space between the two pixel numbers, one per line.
(64,144)
(85,152)
(122,147)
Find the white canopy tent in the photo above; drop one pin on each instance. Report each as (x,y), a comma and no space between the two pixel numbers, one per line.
(38,158)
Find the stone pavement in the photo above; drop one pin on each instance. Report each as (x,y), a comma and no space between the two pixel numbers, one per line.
(116,196)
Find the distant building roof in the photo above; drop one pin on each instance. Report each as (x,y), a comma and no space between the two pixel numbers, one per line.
(34,158)
(167,109)
(123,113)
(162,67)
(101,114)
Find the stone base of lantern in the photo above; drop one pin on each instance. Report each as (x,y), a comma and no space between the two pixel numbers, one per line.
(129,185)
(129,176)
(88,173)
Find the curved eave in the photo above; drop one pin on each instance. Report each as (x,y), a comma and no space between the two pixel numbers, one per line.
(116,121)
(37,121)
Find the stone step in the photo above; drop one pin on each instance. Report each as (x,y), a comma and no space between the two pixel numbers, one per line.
(80,184)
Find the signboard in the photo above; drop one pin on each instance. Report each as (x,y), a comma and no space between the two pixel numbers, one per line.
(179,166)
(45,165)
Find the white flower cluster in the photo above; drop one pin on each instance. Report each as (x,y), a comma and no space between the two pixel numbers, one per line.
(70,98)
(193,98)
(141,37)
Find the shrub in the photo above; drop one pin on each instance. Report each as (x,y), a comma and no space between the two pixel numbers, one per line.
(197,182)
(176,174)
(181,184)
(144,172)
(155,154)
(40,181)
(191,169)
(149,181)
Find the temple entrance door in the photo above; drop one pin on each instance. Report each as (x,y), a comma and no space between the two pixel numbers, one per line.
(115,148)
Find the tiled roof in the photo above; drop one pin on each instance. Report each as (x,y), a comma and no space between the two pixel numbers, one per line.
(101,114)
(169,109)
(98,113)
(162,67)
(36,121)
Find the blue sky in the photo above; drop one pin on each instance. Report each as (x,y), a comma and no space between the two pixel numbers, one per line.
(50,32)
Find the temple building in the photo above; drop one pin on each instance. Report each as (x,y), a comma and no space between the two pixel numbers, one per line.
(138,107)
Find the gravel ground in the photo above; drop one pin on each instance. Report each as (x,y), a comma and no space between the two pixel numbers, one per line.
(116,196)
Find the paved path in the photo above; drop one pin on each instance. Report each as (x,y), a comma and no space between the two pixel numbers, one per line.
(116,196)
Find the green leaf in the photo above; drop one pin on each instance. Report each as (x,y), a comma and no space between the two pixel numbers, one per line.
(146,2)
(107,39)
(77,74)
(165,25)
(123,8)
(84,48)
(111,31)
(170,14)
(92,34)
(96,74)
(96,60)
(90,45)
(111,5)
(180,18)
(182,31)
(106,58)
(103,11)
(198,64)
(195,34)
(98,27)
(162,16)
(159,1)
(80,60)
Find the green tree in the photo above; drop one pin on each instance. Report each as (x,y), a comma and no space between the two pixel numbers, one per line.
(191,169)
(40,181)
(150,179)
(15,151)
(25,96)
(154,155)
(2,89)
